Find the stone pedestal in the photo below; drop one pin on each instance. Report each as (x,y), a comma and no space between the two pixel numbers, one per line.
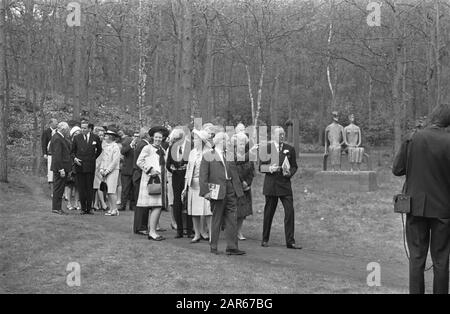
(347,181)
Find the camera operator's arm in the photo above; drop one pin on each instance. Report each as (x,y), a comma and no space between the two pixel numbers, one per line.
(399,166)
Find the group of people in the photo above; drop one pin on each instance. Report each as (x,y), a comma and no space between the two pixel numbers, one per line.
(209,175)
(205,173)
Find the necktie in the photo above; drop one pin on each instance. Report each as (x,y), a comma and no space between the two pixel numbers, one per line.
(224,154)
(180,153)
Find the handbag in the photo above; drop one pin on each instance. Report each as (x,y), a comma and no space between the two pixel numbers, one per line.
(154,185)
(103,187)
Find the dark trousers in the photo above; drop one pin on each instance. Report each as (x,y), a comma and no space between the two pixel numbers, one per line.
(178,186)
(423,233)
(225,211)
(269,211)
(59,184)
(140,222)
(127,191)
(85,187)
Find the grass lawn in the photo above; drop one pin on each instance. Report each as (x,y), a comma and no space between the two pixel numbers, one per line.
(340,233)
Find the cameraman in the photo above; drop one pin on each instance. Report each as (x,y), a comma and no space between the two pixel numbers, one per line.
(424,158)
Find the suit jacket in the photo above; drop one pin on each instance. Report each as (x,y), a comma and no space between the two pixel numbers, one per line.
(276,184)
(87,152)
(427,170)
(212,171)
(45,140)
(137,171)
(128,157)
(172,161)
(61,158)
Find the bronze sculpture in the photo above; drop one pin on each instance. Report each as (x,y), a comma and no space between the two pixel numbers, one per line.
(352,138)
(334,138)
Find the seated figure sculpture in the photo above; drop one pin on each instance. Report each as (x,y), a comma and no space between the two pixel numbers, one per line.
(352,138)
(334,138)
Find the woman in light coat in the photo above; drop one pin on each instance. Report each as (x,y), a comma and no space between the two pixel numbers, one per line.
(198,207)
(109,170)
(152,162)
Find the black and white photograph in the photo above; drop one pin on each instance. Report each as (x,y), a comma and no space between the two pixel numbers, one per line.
(224,152)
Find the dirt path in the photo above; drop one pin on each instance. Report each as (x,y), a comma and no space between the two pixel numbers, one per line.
(110,240)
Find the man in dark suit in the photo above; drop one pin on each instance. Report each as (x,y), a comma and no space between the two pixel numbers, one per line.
(86,148)
(424,158)
(216,169)
(177,159)
(279,166)
(140,225)
(45,141)
(61,165)
(126,171)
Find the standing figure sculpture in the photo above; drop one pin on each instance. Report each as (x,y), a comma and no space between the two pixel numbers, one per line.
(334,138)
(352,138)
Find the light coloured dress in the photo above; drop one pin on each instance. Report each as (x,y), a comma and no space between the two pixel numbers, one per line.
(97,177)
(147,160)
(110,161)
(197,205)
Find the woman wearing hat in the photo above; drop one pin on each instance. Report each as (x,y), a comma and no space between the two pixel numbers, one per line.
(152,161)
(109,169)
(246,171)
(198,207)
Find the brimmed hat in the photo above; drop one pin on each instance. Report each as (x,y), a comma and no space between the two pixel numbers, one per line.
(74,129)
(160,129)
(110,132)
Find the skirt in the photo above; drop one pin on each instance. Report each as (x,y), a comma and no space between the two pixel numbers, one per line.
(244,205)
(97,180)
(197,205)
(355,154)
(146,200)
(112,180)
(49,172)
(335,155)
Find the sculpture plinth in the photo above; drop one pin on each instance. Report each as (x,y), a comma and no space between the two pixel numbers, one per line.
(347,181)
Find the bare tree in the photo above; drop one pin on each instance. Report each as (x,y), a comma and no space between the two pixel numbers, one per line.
(4,105)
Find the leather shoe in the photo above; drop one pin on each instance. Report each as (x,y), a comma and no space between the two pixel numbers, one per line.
(158,238)
(142,232)
(178,236)
(265,244)
(294,246)
(235,252)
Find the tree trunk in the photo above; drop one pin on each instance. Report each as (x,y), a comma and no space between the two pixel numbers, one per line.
(93,76)
(178,12)
(141,73)
(369,100)
(123,82)
(436,51)
(274,100)
(156,62)
(4,105)
(36,152)
(205,98)
(187,63)
(77,75)
(230,89)
(29,53)
(398,72)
